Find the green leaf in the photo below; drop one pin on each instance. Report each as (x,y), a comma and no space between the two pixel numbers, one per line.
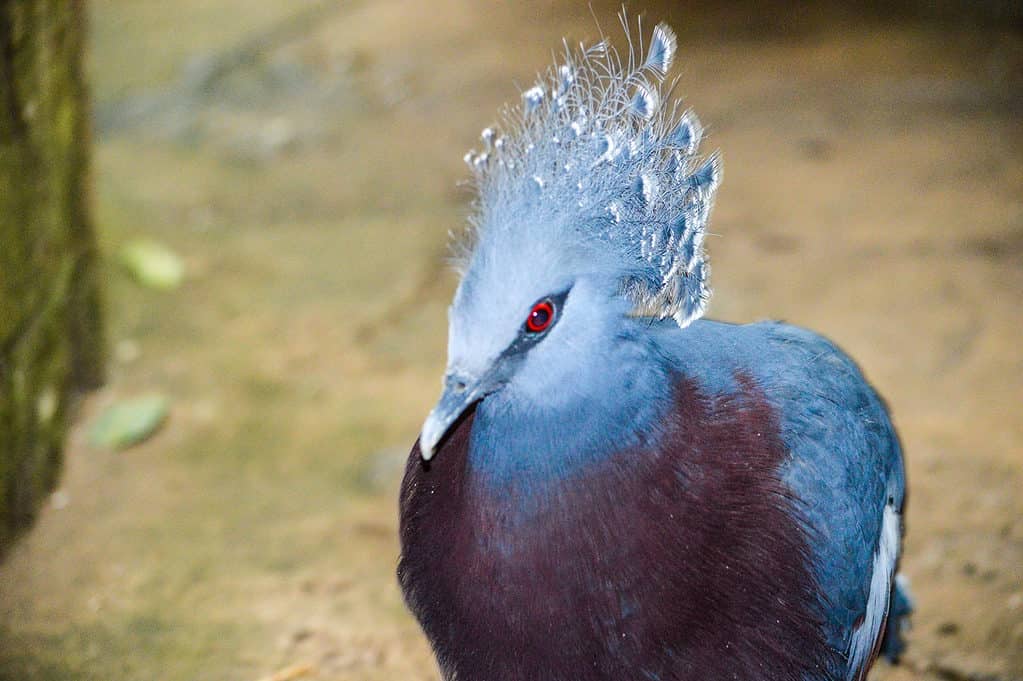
(152,264)
(129,422)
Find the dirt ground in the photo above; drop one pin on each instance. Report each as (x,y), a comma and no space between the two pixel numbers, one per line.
(307,170)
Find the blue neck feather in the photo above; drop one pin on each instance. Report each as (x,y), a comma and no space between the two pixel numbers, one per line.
(518,444)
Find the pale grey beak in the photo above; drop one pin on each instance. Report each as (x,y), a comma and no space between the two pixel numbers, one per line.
(459,394)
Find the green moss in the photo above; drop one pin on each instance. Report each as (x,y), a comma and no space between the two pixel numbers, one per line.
(50,311)
(39,387)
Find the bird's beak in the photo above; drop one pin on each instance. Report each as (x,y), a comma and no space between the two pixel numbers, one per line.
(459,394)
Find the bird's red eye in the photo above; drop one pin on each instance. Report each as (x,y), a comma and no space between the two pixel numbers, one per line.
(540,317)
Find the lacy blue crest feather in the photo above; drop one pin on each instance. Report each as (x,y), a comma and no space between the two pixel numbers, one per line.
(594,161)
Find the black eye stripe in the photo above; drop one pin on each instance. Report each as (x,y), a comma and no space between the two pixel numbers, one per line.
(528,338)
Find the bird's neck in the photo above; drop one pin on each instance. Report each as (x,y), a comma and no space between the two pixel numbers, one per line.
(531,445)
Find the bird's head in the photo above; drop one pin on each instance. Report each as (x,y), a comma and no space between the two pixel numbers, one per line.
(592,208)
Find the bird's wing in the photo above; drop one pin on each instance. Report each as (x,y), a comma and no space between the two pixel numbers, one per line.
(866,638)
(845,466)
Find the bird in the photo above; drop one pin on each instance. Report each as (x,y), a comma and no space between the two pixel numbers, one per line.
(611,485)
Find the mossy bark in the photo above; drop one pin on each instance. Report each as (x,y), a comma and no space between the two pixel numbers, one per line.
(51,343)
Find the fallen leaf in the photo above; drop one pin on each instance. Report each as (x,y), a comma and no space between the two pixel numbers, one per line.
(129,422)
(152,264)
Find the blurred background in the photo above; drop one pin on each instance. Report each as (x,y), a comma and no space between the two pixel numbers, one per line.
(272,187)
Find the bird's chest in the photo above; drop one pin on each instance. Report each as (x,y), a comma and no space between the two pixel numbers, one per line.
(551,557)
(530,517)
(662,560)
(562,571)
(535,554)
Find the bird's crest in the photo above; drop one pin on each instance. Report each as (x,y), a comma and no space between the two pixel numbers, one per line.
(594,157)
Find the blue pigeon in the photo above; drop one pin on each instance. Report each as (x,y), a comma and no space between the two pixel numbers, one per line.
(610,487)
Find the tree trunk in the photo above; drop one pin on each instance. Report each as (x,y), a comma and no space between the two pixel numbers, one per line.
(50,318)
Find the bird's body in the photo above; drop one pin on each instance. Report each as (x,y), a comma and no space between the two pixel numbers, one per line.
(600,494)
(733,539)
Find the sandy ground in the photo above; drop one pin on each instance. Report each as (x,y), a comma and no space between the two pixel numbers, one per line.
(873,177)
